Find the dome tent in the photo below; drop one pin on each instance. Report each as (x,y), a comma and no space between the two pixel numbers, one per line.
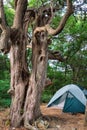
(71,99)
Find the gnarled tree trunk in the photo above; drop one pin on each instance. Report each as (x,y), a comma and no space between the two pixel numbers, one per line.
(19,69)
(38,76)
(19,79)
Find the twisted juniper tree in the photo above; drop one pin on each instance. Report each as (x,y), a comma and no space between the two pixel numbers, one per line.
(26,89)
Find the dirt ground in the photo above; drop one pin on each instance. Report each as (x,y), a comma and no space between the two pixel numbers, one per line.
(53,119)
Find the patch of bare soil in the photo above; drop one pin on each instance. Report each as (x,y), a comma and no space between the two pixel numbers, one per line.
(53,119)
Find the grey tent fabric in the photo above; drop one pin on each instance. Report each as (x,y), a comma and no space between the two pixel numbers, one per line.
(74,96)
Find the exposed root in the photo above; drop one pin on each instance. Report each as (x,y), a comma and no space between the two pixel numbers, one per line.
(30,127)
(40,123)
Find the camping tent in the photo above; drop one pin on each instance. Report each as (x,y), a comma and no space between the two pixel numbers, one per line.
(71,98)
(84,91)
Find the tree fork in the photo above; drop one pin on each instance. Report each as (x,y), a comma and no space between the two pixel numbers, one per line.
(19,69)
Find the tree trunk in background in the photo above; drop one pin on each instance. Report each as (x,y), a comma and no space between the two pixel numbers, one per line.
(19,78)
(38,77)
(75,76)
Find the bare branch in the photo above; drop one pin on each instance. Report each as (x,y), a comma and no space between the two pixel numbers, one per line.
(2,16)
(56,55)
(5,42)
(63,21)
(5,31)
(51,7)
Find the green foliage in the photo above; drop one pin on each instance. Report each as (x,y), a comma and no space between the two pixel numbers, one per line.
(46,96)
(38,3)
(9,13)
(34,3)
(56,20)
(5,103)
(4,97)
(4,81)
(11,3)
(4,67)
(29,55)
(58,78)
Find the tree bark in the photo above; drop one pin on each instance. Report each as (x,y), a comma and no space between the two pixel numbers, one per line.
(5,31)
(19,69)
(38,76)
(19,79)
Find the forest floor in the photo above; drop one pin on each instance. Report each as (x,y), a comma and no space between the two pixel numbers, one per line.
(53,119)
